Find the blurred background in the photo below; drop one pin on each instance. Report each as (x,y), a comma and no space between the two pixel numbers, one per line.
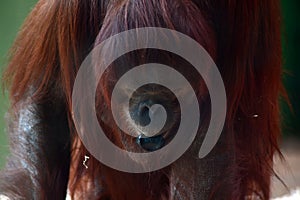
(13,13)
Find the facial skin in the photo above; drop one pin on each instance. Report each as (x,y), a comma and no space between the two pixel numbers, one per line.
(186,175)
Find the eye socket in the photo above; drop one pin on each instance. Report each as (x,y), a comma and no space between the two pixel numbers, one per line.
(151,143)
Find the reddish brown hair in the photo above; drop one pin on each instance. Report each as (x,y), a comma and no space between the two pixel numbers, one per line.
(242,36)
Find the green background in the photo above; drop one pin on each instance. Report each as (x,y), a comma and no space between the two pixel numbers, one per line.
(13,13)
